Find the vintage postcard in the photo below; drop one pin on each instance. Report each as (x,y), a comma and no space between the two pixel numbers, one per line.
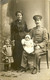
(24,39)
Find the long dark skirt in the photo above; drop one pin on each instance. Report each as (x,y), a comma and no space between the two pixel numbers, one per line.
(17,54)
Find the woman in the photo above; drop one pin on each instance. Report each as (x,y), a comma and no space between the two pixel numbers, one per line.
(18,31)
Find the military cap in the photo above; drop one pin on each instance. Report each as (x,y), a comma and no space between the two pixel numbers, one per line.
(36,17)
(19,12)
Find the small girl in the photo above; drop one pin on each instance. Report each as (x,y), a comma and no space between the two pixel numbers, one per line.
(7,55)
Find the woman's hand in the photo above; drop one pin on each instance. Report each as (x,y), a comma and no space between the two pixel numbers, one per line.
(13,42)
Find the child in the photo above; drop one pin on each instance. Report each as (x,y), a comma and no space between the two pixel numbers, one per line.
(7,53)
(28,46)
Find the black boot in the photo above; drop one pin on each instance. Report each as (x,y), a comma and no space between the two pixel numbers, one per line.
(23,69)
(33,71)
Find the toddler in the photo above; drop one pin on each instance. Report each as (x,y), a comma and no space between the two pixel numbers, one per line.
(7,55)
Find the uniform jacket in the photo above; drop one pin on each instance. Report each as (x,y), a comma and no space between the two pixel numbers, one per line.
(39,35)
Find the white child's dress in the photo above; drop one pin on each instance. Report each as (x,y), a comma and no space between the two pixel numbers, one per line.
(28,46)
(8,52)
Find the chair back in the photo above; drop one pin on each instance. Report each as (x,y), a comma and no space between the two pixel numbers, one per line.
(47,42)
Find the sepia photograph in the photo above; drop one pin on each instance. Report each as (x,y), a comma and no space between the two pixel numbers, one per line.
(24,39)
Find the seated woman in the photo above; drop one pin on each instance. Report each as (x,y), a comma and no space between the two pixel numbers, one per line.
(28,47)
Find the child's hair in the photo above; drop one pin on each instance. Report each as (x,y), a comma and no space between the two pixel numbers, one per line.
(7,40)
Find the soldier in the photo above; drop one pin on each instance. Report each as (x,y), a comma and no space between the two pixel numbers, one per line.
(39,34)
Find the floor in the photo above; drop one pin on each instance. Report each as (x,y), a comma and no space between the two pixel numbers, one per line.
(14,75)
(43,75)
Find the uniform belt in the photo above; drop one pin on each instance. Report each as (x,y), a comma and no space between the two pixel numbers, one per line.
(39,41)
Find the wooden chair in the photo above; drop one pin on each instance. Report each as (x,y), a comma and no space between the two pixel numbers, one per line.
(45,53)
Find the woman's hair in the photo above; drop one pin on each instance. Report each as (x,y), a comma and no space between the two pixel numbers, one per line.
(19,12)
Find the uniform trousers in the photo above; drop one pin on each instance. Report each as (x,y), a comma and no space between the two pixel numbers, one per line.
(38,53)
(28,60)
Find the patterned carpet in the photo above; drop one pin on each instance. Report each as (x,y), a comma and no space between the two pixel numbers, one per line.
(14,75)
(10,74)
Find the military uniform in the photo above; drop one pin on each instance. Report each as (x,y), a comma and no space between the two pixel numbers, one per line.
(40,37)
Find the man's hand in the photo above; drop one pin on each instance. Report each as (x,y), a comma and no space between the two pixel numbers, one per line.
(36,43)
(37,46)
